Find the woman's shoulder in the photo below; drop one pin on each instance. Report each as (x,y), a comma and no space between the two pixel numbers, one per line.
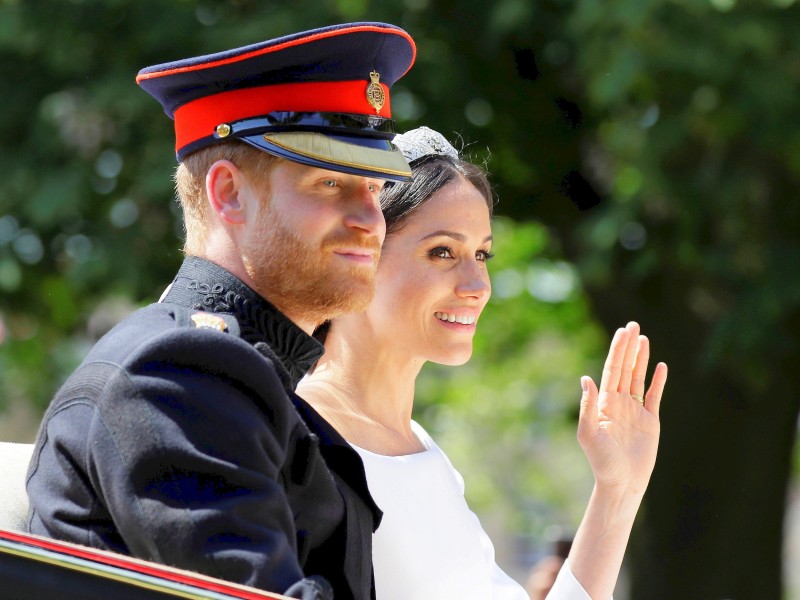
(423,436)
(432,447)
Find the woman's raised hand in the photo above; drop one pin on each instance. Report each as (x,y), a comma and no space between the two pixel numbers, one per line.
(618,430)
(619,427)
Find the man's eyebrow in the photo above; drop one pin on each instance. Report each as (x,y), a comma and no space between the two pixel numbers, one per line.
(459,237)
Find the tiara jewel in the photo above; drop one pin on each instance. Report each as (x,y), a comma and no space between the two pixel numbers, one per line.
(423,141)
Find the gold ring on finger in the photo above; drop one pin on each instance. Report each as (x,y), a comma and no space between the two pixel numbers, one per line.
(638,398)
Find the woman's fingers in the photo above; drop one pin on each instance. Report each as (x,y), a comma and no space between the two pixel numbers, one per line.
(625,369)
(612,370)
(653,398)
(640,366)
(626,374)
(588,417)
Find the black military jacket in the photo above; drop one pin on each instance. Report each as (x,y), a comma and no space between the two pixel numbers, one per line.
(180,440)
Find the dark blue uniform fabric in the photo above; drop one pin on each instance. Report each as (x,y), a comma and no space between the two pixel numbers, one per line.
(184,444)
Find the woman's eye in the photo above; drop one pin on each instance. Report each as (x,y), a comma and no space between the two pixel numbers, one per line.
(441,252)
(484,255)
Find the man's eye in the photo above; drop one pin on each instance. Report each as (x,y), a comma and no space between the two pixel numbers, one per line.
(329,183)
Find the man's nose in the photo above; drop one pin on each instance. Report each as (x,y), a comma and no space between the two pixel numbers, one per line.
(364,212)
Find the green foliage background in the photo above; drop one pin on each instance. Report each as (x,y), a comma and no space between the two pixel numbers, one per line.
(646,155)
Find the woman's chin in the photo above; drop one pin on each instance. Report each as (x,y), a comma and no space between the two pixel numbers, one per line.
(454,359)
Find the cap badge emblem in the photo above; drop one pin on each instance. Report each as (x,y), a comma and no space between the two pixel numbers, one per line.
(207,321)
(375,94)
(223,130)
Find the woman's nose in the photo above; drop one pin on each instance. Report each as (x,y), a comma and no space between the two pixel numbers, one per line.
(474,282)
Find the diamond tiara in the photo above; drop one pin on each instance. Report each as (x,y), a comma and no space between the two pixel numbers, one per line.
(423,141)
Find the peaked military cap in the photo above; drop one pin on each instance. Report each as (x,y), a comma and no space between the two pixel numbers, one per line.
(319,97)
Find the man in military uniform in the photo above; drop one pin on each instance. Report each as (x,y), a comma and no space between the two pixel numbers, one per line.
(179,439)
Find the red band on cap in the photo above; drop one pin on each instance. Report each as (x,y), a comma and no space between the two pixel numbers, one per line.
(198,119)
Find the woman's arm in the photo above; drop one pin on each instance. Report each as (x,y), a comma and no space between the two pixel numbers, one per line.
(619,435)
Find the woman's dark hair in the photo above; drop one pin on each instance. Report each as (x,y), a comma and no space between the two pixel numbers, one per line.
(431,173)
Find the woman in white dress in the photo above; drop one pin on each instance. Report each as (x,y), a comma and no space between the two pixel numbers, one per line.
(432,284)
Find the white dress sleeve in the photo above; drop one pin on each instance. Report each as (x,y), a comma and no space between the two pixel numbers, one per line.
(566,587)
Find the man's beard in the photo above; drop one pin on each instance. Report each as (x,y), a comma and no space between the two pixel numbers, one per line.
(305,281)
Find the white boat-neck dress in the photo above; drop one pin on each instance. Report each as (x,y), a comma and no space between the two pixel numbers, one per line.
(430,545)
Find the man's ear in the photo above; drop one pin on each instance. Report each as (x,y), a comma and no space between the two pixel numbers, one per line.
(224,189)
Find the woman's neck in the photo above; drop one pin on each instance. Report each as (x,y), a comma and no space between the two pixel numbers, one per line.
(365,390)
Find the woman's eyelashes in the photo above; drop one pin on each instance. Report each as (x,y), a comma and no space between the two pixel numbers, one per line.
(447,253)
(441,252)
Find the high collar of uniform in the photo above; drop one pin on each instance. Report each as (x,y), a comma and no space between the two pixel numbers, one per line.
(202,285)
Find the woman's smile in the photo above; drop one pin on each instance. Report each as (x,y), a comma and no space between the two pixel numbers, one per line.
(453,318)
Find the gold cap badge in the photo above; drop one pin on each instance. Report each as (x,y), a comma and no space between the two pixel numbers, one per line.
(375,94)
(223,130)
(207,321)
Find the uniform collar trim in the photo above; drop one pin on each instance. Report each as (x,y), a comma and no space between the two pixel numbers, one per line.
(202,285)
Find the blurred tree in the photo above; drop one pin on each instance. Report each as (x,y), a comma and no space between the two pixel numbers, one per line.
(654,139)
(690,111)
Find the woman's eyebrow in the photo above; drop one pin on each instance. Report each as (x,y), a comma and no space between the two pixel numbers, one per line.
(460,237)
